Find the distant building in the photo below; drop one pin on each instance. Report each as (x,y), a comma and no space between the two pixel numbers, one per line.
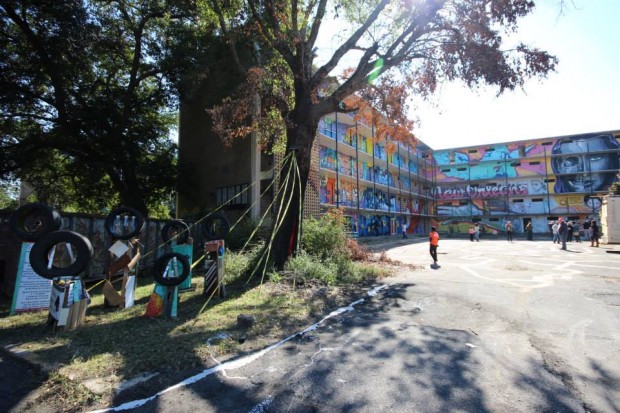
(536,180)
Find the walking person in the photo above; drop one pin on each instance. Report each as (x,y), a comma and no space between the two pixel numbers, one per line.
(404,230)
(569,237)
(595,234)
(508,226)
(477,232)
(433,239)
(554,232)
(563,231)
(530,231)
(471,233)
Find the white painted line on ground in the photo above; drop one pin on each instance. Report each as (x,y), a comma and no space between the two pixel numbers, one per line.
(238,363)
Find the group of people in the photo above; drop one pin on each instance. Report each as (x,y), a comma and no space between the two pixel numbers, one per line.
(564,231)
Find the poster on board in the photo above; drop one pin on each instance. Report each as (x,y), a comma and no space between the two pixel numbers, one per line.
(32,292)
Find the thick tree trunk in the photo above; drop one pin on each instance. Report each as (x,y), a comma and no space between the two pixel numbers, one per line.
(299,144)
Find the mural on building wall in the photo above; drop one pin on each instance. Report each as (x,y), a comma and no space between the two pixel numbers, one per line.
(580,166)
(576,167)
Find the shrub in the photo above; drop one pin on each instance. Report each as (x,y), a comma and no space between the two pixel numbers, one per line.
(325,237)
(356,251)
(305,268)
(340,270)
(242,231)
(237,265)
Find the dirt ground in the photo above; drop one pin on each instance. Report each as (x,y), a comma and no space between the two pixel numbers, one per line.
(19,382)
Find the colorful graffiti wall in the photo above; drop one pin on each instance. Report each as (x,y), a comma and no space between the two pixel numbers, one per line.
(524,181)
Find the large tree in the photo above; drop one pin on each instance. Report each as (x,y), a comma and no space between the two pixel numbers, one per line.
(87,89)
(412,44)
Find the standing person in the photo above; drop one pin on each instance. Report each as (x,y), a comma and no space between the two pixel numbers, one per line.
(576,231)
(569,237)
(433,239)
(477,232)
(404,230)
(508,226)
(563,231)
(554,231)
(471,233)
(530,231)
(586,229)
(595,233)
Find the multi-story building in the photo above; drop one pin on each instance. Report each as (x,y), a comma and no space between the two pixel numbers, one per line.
(381,185)
(533,181)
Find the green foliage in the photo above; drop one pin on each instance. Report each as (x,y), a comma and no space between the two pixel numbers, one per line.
(306,267)
(325,237)
(238,265)
(87,93)
(242,231)
(336,271)
(9,194)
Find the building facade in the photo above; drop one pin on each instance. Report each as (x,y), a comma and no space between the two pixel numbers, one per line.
(380,185)
(533,181)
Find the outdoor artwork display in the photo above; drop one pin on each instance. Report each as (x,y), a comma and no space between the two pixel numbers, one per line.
(32,292)
(585,164)
(559,177)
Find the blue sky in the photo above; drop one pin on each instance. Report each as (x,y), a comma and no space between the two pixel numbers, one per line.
(582,96)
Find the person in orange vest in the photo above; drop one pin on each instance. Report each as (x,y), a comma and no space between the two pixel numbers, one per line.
(433,239)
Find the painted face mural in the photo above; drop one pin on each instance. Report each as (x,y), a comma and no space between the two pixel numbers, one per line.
(580,164)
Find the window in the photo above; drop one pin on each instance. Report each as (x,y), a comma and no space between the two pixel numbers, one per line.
(446,170)
(232,195)
(463,202)
(517,200)
(461,169)
(549,180)
(547,143)
(537,200)
(535,163)
(493,219)
(472,151)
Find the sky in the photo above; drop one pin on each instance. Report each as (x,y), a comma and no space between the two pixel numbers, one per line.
(583,95)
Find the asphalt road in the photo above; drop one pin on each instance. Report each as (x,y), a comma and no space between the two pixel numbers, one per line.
(499,327)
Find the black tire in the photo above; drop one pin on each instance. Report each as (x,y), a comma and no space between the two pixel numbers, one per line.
(31,221)
(181,228)
(41,249)
(216,227)
(122,212)
(162,266)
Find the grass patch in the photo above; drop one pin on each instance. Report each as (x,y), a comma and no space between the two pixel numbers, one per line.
(117,345)
(120,344)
